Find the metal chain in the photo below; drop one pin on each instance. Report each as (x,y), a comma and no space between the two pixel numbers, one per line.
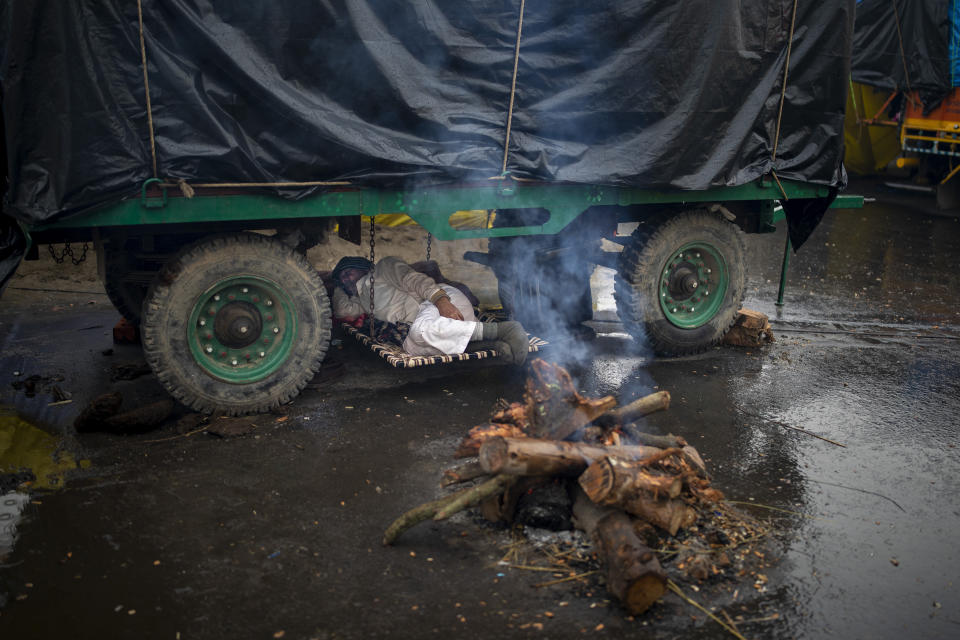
(373,264)
(68,251)
(429,242)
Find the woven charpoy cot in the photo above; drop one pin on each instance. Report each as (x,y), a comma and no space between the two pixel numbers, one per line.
(390,336)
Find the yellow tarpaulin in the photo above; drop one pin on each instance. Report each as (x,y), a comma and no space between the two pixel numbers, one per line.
(473,219)
(869,148)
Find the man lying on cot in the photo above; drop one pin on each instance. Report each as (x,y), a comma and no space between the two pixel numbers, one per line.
(441,318)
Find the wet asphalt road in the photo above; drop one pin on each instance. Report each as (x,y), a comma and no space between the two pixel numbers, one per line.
(277,533)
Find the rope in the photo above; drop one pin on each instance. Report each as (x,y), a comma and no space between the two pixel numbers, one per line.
(903,54)
(774,174)
(146,86)
(513,88)
(783,89)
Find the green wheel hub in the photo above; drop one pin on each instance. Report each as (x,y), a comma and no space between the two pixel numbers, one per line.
(693,283)
(242,329)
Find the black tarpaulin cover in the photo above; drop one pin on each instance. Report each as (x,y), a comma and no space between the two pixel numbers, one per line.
(905,45)
(647,93)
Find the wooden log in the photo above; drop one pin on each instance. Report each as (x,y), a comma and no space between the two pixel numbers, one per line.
(750,329)
(474,495)
(479,434)
(554,408)
(669,515)
(535,457)
(634,575)
(613,481)
(640,407)
(464,472)
(635,436)
(446,506)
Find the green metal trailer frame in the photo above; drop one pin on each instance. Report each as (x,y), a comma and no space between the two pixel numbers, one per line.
(238,322)
(162,204)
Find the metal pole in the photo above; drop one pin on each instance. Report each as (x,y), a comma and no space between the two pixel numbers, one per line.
(783,270)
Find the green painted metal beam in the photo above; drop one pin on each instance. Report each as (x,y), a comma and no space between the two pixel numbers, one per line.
(431,207)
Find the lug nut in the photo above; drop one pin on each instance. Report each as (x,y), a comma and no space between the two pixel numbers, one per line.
(276,330)
(243,329)
(245,290)
(263,354)
(269,303)
(209,349)
(203,322)
(216,297)
(233,362)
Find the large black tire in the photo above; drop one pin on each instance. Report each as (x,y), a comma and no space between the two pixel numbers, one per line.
(650,268)
(122,282)
(177,333)
(128,268)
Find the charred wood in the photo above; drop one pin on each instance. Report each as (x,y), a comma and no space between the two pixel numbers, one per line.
(613,481)
(634,575)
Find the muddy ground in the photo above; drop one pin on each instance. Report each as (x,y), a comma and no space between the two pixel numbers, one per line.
(276,532)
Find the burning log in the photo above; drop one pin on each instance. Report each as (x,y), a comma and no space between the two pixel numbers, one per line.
(634,575)
(470,446)
(632,486)
(611,481)
(554,408)
(640,407)
(532,456)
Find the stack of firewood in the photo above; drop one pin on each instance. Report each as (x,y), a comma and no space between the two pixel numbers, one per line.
(625,483)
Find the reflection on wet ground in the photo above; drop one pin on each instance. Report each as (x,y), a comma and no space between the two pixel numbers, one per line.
(842,435)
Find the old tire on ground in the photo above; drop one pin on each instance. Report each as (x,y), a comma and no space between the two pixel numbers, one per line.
(237,324)
(680,281)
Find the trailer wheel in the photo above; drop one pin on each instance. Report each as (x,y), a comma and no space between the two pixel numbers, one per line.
(237,324)
(680,282)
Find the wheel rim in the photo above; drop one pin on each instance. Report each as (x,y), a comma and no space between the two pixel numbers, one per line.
(242,329)
(693,283)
